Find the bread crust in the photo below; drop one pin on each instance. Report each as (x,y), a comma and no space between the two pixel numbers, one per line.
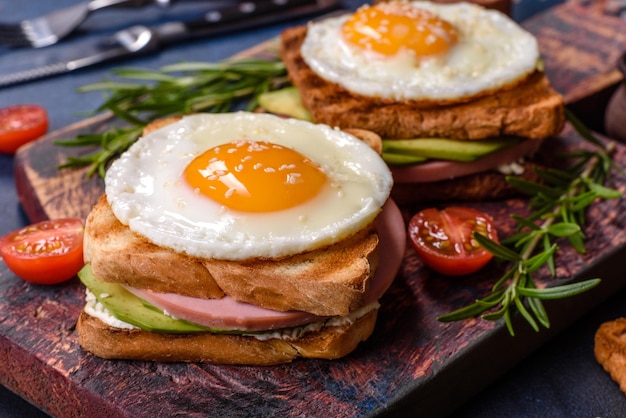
(331,342)
(328,281)
(532,109)
(610,350)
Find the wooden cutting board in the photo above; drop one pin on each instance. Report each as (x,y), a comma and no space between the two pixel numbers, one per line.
(411,364)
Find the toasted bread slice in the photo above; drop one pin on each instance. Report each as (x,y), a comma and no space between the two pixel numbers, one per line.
(328,281)
(610,350)
(532,109)
(118,255)
(330,342)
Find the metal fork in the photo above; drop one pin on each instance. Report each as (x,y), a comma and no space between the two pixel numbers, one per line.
(50,28)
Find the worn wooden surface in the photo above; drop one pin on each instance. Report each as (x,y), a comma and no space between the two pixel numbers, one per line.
(581,47)
(412,362)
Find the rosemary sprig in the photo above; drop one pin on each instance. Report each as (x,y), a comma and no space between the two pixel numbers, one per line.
(142,96)
(558,206)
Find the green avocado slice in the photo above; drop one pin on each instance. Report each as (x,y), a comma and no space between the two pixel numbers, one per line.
(445,149)
(285,101)
(402,159)
(129,308)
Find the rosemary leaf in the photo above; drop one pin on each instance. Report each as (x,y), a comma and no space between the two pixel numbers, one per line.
(508,322)
(547,245)
(532,188)
(578,243)
(539,311)
(496,249)
(142,74)
(505,277)
(535,263)
(581,201)
(496,315)
(109,86)
(559,292)
(523,222)
(527,316)
(491,301)
(557,177)
(474,309)
(604,192)
(466,312)
(563,229)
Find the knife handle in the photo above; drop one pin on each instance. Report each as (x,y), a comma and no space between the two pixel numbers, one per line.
(238,16)
(243,10)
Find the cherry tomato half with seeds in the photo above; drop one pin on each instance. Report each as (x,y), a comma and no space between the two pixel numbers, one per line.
(48,252)
(444,239)
(20,124)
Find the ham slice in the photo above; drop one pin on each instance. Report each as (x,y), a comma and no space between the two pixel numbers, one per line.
(228,314)
(433,171)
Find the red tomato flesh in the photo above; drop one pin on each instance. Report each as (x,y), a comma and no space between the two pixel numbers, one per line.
(20,124)
(444,239)
(47,252)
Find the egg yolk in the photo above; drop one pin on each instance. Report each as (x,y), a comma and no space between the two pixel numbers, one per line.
(390,27)
(255,176)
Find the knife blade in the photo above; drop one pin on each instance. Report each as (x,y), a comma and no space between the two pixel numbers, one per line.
(139,39)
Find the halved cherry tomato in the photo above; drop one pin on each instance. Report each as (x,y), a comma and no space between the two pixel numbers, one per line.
(47,252)
(20,124)
(444,239)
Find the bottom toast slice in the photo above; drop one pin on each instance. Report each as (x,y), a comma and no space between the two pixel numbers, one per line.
(330,342)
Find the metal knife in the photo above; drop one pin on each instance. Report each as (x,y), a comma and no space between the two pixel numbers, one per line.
(138,40)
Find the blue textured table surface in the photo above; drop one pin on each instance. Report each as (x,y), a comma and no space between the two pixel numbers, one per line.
(561,379)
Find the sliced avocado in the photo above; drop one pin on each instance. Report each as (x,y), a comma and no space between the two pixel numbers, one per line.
(402,159)
(285,101)
(128,308)
(445,149)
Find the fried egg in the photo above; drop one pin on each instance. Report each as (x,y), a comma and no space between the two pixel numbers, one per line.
(421,51)
(242,185)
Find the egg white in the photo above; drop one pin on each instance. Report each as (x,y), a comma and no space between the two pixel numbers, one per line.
(146,191)
(492,52)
